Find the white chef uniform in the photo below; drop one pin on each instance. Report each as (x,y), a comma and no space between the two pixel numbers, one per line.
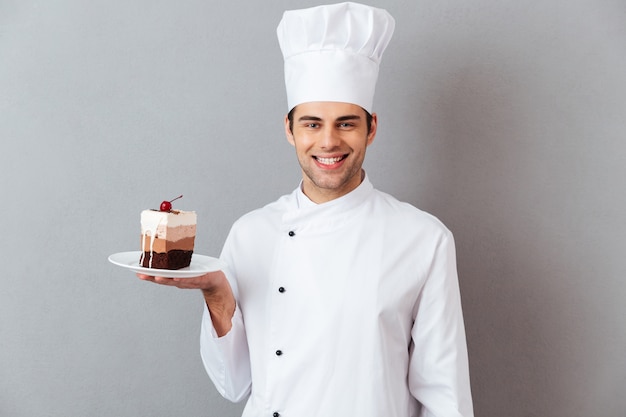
(347,308)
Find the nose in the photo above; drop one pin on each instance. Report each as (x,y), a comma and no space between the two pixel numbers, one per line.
(330,138)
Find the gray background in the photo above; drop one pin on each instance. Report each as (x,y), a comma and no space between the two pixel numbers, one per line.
(505,119)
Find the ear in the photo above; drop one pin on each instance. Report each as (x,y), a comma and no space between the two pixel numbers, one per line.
(372,134)
(288,132)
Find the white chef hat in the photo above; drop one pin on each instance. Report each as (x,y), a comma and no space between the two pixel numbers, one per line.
(332,52)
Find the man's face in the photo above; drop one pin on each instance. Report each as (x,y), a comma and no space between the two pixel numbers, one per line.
(330,140)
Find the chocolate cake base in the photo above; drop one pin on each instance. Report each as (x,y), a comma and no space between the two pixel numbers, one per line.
(174,259)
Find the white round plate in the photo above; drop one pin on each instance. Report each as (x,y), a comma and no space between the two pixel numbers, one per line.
(200,265)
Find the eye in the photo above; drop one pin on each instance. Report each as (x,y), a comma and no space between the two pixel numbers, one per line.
(312,125)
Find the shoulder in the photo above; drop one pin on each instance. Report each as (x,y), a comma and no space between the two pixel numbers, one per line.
(405,215)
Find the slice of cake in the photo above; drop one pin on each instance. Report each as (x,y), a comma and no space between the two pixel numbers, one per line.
(167,238)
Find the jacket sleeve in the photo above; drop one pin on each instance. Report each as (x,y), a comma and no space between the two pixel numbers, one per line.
(439,369)
(226,359)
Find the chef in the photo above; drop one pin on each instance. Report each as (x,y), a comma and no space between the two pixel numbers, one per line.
(338,300)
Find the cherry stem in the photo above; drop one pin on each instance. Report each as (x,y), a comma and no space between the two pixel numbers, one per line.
(180,196)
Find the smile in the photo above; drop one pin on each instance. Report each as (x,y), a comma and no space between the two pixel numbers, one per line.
(329,161)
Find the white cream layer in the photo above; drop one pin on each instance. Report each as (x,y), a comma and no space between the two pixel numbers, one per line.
(152,219)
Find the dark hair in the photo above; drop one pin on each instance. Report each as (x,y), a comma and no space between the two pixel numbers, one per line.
(368,119)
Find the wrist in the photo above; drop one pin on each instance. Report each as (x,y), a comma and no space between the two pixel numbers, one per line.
(221,304)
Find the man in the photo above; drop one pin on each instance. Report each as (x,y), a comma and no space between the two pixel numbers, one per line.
(338,299)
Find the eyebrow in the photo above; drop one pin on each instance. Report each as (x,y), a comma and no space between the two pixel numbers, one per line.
(339,119)
(310,118)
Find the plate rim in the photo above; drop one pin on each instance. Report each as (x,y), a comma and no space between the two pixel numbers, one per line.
(200,265)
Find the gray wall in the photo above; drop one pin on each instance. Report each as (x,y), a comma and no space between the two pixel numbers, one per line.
(506,119)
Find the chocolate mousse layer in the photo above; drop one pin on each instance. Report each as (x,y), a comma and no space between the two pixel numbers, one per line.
(173,259)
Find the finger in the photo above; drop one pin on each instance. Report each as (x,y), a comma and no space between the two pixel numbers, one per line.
(145,277)
(165,281)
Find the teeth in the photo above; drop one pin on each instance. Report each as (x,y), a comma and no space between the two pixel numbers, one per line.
(329,161)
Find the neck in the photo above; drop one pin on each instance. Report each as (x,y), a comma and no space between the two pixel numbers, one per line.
(320,195)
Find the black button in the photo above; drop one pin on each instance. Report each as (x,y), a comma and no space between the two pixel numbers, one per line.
(292,233)
(281,289)
(276,415)
(279,352)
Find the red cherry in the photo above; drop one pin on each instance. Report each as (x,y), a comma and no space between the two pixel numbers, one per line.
(167,205)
